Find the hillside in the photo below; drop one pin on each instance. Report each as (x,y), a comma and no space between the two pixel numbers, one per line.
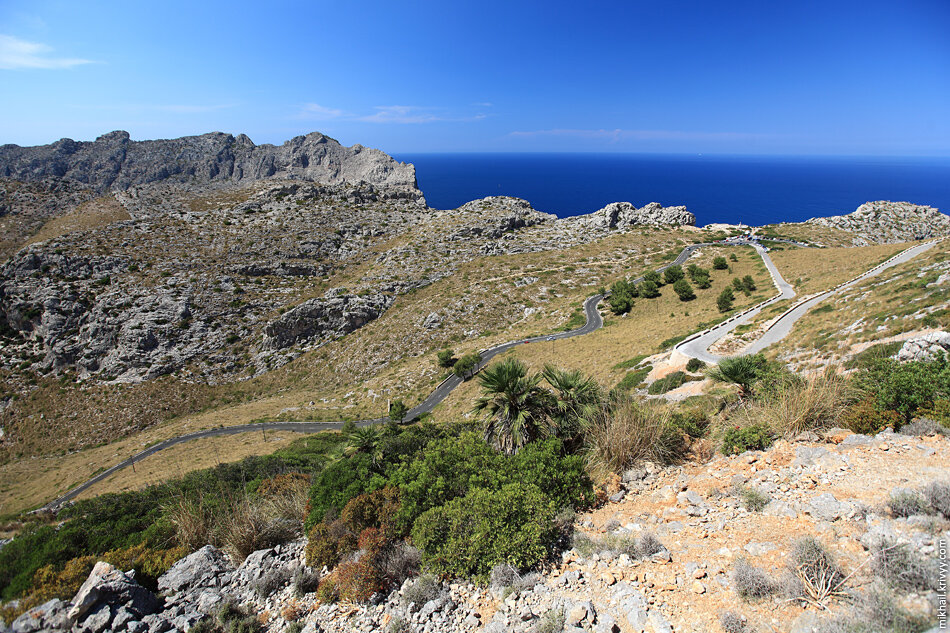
(156,289)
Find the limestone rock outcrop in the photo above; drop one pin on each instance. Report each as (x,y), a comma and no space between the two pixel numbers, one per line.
(114,161)
(885,222)
(497,215)
(925,348)
(324,317)
(624,215)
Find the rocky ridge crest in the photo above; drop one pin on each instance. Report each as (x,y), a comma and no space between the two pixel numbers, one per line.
(115,162)
(885,222)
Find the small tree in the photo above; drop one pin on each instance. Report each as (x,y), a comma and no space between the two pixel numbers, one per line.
(620,303)
(720,263)
(653,277)
(748,283)
(673,274)
(684,290)
(649,290)
(464,367)
(737,284)
(701,278)
(446,358)
(397,411)
(725,299)
(732,257)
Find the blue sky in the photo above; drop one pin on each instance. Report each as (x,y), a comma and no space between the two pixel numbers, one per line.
(756,77)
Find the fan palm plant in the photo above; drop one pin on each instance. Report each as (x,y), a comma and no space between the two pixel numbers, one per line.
(513,404)
(367,440)
(743,371)
(576,399)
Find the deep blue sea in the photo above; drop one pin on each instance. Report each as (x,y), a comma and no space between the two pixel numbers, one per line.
(752,190)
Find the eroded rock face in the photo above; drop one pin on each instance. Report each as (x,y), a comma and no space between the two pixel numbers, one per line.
(324,317)
(885,222)
(623,215)
(925,348)
(113,161)
(499,215)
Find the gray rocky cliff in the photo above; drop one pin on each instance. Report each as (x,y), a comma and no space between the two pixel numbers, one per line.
(885,222)
(114,161)
(623,215)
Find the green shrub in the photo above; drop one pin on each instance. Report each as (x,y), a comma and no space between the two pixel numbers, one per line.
(633,378)
(446,469)
(446,358)
(683,290)
(720,263)
(340,482)
(465,366)
(754,499)
(471,534)
(757,437)
(667,383)
(673,274)
(694,365)
(905,387)
(649,290)
(864,417)
(725,299)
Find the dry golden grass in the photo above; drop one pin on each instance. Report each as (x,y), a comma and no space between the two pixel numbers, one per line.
(393,357)
(810,233)
(87,216)
(812,271)
(641,332)
(900,300)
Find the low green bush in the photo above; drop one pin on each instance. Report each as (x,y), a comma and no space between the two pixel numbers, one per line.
(469,535)
(667,383)
(757,437)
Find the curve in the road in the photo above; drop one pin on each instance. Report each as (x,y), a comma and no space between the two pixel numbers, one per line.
(697,345)
(691,346)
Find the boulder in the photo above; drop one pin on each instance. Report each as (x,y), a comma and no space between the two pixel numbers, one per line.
(925,348)
(207,567)
(324,317)
(109,587)
(49,615)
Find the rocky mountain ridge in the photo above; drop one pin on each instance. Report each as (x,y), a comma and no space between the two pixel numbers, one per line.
(113,161)
(885,222)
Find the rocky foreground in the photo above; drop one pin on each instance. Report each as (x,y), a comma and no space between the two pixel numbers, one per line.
(660,556)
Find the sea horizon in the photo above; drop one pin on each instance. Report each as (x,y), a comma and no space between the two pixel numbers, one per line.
(729,188)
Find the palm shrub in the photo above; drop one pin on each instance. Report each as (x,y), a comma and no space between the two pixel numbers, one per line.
(513,405)
(576,399)
(742,371)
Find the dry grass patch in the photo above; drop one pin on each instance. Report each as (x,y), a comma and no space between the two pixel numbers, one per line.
(905,298)
(90,215)
(811,271)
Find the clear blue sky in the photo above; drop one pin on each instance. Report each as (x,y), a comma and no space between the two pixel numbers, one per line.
(759,77)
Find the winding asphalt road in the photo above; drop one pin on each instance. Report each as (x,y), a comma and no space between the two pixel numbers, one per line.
(696,346)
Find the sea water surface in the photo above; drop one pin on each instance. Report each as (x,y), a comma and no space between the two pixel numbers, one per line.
(752,190)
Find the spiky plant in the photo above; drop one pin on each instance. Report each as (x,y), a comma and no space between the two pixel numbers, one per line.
(513,405)
(576,399)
